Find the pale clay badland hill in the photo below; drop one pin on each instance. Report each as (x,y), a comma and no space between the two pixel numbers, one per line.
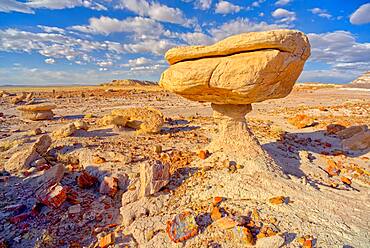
(223,155)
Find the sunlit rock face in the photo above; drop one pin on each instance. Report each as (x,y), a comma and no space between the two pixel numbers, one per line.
(242,69)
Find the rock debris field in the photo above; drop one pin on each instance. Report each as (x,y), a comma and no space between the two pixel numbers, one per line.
(84,179)
(245,159)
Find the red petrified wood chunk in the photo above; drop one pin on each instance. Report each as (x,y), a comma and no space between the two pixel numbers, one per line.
(182,227)
(85,180)
(53,196)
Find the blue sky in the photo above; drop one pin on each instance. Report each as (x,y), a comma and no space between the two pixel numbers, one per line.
(45,42)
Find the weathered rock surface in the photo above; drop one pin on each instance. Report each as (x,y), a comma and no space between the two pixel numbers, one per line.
(350,131)
(301,121)
(109,186)
(113,120)
(36,112)
(64,131)
(359,141)
(23,159)
(153,177)
(241,69)
(144,120)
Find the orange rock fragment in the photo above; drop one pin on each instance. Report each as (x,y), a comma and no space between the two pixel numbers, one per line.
(52,197)
(307,243)
(255,215)
(225,223)
(301,121)
(106,240)
(217,200)
(346,180)
(216,214)
(203,154)
(98,160)
(277,200)
(244,234)
(332,168)
(261,235)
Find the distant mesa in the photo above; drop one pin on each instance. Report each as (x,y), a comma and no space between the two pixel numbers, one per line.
(129,82)
(361,82)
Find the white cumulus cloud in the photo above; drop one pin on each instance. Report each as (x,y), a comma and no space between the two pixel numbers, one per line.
(28,6)
(320,12)
(155,11)
(63,4)
(361,15)
(225,7)
(107,25)
(240,25)
(13,5)
(284,15)
(49,61)
(283,2)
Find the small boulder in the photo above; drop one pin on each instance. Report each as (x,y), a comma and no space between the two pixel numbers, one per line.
(51,176)
(64,131)
(85,180)
(53,196)
(109,186)
(359,141)
(19,98)
(42,144)
(351,131)
(144,120)
(301,121)
(23,159)
(182,227)
(83,125)
(153,177)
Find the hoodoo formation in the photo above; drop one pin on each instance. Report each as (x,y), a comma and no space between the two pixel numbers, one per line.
(234,73)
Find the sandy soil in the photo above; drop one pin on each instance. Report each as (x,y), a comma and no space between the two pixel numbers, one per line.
(334,213)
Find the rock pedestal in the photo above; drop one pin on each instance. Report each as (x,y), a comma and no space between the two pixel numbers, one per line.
(232,74)
(235,139)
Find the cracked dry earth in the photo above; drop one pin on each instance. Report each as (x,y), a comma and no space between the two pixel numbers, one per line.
(319,208)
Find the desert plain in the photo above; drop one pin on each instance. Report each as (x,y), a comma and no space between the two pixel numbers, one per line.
(327,206)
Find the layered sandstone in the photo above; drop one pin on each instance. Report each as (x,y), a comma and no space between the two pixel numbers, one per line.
(242,69)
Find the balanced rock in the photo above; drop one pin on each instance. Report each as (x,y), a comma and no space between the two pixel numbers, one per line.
(36,112)
(242,69)
(232,74)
